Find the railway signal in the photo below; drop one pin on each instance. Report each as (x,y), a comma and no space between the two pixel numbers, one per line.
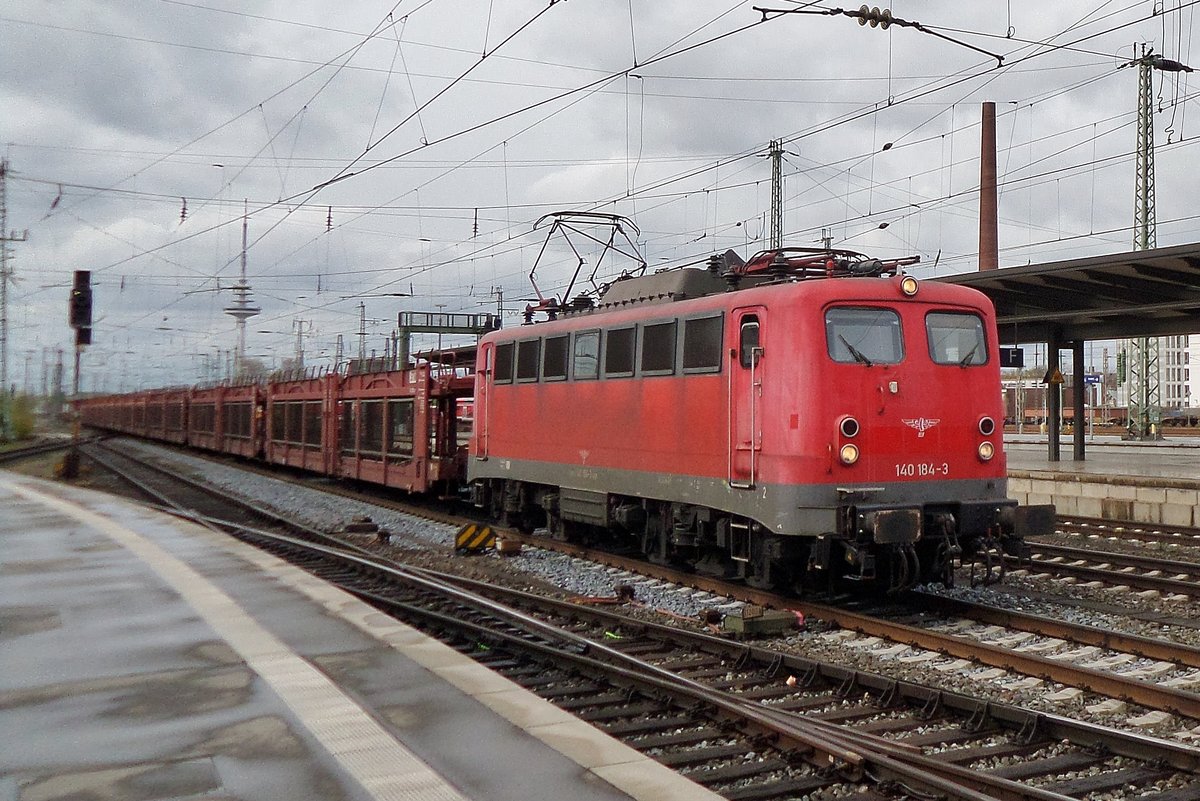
(79,312)
(79,315)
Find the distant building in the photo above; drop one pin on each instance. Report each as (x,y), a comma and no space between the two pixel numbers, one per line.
(1175,373)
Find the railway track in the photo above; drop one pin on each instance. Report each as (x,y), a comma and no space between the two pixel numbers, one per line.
(746,722)
(1138,557)
(725,715)
(17,453)
(1151,673)
(1128,531)
(1168,576)
(1000,655)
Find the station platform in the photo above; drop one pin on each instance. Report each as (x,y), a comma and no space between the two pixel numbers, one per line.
(1147,482)
(143,657)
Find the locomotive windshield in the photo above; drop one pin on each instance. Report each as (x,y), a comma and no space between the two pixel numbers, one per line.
(865,336)
(956,338)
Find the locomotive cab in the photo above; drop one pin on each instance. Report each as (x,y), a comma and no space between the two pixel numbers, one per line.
(897,389)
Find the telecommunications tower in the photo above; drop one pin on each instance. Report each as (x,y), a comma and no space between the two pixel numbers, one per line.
(242,308)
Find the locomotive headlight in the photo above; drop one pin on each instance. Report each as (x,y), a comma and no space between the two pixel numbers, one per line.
(908,285)
(848,427)
(848,454)
(986,451)
(987,426)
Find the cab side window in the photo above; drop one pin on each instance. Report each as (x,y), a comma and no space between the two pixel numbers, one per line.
(702,344)
(749,351)
(658,349)
(618,352)
(503,371)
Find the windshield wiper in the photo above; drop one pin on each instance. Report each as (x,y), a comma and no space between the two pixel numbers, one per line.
(970,354)
(858,357)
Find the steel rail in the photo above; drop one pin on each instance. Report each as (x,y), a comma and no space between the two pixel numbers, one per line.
(1167,699)
(169,505)
(26,451)
(1174,566)
(1111,577)
(1111,528)
(1146,647)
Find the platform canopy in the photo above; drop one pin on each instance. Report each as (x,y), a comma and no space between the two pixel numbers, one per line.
(1139,293)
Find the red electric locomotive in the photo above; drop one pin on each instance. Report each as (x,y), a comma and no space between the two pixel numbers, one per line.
(803,417)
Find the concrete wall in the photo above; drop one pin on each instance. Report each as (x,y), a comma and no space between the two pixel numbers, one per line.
(1143,500)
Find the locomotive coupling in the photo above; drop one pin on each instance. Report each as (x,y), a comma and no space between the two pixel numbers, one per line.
(1026,521)
(1034,521)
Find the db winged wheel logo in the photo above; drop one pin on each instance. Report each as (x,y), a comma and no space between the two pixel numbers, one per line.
(922,424)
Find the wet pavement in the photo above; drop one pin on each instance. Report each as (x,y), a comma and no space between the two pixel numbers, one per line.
(143,658)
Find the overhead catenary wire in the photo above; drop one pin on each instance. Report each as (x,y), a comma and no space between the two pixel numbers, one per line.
(633,191)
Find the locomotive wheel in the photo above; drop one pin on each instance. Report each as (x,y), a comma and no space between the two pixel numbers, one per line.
(766,572)
(654,543)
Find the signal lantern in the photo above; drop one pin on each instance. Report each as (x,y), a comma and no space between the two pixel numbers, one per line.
(80,307)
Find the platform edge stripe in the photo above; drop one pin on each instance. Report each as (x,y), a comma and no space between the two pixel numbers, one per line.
(376,761)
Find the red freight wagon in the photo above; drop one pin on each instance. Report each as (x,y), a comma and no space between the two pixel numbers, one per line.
(296,422)
(204,417)
(240,417)
(399,429)
(166,415)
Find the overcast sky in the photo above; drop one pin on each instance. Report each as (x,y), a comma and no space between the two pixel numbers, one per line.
(136,130)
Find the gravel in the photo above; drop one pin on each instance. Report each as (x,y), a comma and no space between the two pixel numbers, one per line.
(432,544)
